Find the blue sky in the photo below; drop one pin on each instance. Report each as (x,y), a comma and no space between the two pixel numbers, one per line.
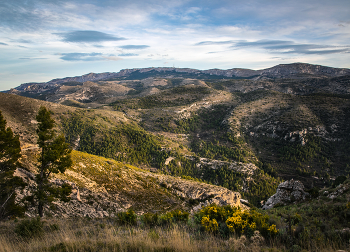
(45,39)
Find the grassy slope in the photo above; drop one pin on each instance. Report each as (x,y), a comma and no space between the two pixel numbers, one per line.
(124,183)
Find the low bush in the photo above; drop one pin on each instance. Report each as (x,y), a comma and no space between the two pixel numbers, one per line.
(29,228)
(150,219)
(153,219)
(127,218)
(179,215)
(165,219)
(225,219)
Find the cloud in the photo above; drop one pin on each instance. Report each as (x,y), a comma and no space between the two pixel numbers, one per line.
(214,42)
(127,54)
(31,58)
(112,58)
(1,43)
(287,47)
(136,47)
(87,57)
(81,56)
(87,37)
(24,41)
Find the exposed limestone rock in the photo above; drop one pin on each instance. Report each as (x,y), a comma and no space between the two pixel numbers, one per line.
(291,191)
(339,190)
(244,168)
(201,192)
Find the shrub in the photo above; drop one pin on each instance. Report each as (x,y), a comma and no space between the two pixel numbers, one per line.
(229,219)
(239,222)
(210,225)
(150,219)
(30,228)
(127,218)
(165,219)
(178,215)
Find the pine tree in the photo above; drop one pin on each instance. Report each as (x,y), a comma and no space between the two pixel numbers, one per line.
(10,152)
(54,158)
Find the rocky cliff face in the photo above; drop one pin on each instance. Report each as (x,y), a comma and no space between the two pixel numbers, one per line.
(288,192)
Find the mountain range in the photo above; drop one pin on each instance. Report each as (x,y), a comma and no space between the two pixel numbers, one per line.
(294,70)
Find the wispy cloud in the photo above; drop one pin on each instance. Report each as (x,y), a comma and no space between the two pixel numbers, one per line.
(1,43)
(127,54)
(81,56)
(23,41)
(214,43)
(135,47)
(88,57)
(281,46)
(29,58)
(111,58)
(88,37)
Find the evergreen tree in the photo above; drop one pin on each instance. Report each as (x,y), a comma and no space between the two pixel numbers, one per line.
(10,152)
(54,158)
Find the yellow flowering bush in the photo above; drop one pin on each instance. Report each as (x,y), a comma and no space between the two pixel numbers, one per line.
(237,221)
(210,225)
(272,230)
(166,218)
(216,212)
(179,215)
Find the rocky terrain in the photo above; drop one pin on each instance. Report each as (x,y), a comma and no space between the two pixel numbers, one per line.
(241,129)
(103,187)
(288,192)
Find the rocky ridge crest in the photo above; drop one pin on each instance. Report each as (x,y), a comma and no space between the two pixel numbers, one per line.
(279,71)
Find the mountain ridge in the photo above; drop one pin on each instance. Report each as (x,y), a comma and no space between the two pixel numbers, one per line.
(278,71)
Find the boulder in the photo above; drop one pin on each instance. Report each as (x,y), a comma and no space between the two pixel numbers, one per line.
(291,191)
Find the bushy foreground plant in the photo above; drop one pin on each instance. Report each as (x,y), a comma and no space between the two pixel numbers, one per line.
(29,228)
(234,220)
(127,218)
(155,219)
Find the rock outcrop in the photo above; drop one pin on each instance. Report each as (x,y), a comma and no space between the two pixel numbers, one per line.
(291,191)
(201,194)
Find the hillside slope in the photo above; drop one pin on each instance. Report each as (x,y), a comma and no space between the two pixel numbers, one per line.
(103,187)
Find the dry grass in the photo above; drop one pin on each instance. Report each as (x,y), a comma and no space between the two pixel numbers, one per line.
(105,235)
(95,236)
(82,235)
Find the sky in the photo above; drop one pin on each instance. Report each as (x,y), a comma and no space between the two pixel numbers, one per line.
(45,39)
